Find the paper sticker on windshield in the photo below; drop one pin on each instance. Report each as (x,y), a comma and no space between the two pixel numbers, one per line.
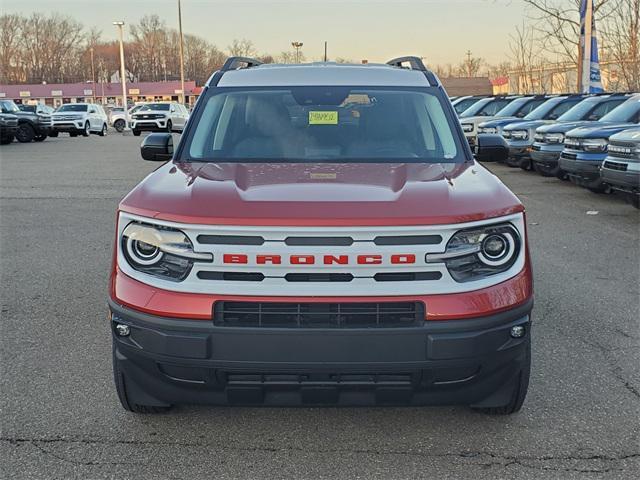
(323,118)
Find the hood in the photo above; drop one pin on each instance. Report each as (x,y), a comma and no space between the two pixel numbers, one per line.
(321,194)
(499,122)
(603,130)
(630,136)
(564,127)
(526,125)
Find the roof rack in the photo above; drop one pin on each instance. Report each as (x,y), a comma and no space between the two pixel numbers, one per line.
(415,63)
(234,63)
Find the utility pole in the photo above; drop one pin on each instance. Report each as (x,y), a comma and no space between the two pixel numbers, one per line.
(120,25)
(468,63)
(297,46)
(325,51)
(93,78)
(181,53)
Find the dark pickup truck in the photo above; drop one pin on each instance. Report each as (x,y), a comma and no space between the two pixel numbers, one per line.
(34,121)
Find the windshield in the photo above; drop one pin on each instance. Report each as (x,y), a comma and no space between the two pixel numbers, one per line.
(154,106)
(314,124)
(27,108)
(552,109)
(486,106)
(579,111)
(463,104)
(8,106)
(71,107)
(627,112)
(513,107)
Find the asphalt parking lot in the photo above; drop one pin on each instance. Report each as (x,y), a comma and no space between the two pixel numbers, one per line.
(61,418)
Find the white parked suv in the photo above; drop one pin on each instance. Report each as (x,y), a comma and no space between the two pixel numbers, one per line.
(159,117)
(79,119)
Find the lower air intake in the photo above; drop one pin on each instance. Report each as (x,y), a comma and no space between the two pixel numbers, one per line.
(318,315)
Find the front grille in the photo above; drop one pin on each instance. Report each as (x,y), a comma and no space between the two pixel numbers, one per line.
(569,156)
(329,379)
(622,167)
(318,315)
(622,151)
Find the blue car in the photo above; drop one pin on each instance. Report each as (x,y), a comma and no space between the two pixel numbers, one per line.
(585,148)
(549,139)
(519,135)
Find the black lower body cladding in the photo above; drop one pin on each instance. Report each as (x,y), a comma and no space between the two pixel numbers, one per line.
(475,362)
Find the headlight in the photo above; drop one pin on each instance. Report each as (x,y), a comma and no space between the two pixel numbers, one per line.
(595,145)
(159,251)
(3,121)
(480,252)
(467,127)
(519,134)
(554,137)
(487,130)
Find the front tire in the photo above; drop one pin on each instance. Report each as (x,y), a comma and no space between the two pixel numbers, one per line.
(169,126)
(520,388)
(103,132)
(54,134)
(136,133)
(25,133)
(121,389)
(40,138)
(119,125)
(87,130)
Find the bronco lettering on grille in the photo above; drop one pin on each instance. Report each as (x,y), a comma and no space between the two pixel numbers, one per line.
(371,259)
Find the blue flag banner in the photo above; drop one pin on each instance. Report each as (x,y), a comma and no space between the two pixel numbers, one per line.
(591,81)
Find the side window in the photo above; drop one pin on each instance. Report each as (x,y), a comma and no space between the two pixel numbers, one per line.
(604,108)
(563,107)
(532,105)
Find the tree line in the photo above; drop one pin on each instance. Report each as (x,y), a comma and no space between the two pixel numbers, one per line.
(58,49)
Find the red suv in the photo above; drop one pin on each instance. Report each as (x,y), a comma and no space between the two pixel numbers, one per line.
(322,235)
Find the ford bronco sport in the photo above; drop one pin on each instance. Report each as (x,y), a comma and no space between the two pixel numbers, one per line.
(322,234)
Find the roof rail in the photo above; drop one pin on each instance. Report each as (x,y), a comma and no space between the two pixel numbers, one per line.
(415,63)
(233,63)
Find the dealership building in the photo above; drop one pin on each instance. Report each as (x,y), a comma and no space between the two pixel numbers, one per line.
(104,93)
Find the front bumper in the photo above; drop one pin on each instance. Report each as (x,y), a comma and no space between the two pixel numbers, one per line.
(8,130)
(149,125)
(172,361)
(628,181)
(70,127)
(546,155)
(583,168)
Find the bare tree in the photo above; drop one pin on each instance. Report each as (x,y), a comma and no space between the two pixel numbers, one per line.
(524,56)
(10,37)
(242,48)
(622,39)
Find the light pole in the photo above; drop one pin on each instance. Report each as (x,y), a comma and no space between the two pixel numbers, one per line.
(297,46)
(181,53)
(93,77)
(120,25)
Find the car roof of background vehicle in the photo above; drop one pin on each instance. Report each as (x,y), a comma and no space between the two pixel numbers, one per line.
(256,74)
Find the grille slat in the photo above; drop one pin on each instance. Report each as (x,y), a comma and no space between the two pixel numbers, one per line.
(318,315)
(622,167)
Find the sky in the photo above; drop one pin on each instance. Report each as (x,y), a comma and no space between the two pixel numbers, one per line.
(441,31)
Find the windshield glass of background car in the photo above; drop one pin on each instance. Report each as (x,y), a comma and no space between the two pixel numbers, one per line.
(70,107)
(154,106)
(513,107)
(551,109)
(8,106)
(627,112)
(492,108)
(323,124)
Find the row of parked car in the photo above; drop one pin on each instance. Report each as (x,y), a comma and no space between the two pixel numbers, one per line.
(592,140)
(27,123)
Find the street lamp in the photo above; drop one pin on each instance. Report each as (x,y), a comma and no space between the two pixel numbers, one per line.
(181,54)
(93,77)
(297,46)
(120,24)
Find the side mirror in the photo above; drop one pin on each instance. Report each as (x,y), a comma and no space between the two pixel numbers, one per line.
(594,117)
(157,147)
(491,148)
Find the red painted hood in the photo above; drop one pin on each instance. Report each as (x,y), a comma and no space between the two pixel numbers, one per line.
(321,194)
